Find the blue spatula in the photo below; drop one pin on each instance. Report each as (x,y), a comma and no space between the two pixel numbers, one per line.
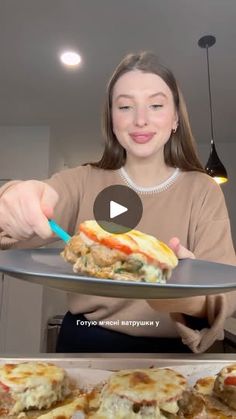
(59,231)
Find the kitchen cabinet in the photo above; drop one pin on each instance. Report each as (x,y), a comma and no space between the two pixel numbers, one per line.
(25,311)
(21,314)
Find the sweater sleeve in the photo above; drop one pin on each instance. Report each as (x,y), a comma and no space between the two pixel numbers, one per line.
(212,238)
(6,241)
(213,242)
(69,185)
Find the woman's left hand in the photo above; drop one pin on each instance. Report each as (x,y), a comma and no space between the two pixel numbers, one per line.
(193,306)
(180,251)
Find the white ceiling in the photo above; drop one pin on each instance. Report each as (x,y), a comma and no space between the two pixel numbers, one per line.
(36,90)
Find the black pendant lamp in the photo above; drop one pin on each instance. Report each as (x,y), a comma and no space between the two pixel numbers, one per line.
(214,166)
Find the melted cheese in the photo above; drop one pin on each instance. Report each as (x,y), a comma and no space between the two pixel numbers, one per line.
(34,384)
(152,392)
(205,385)
(135,241)
(153,274)
(119,408)
(66,411)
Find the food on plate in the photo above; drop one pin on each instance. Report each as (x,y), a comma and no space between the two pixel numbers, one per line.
(28,385)
(141,393)
(132,256)
(225,385)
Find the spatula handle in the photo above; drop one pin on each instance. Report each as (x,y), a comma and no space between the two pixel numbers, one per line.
(59,231)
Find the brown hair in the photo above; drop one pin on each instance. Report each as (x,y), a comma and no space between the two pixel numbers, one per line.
(180,149)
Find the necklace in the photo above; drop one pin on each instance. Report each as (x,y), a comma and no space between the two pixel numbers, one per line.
(152,189)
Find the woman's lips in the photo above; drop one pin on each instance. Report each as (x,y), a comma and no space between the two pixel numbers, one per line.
(141,137)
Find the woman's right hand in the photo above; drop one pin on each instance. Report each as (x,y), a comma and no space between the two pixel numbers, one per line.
(25,208)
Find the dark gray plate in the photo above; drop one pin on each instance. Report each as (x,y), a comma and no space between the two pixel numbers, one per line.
(46,267)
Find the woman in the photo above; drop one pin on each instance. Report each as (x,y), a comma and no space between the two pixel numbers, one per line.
(149,147)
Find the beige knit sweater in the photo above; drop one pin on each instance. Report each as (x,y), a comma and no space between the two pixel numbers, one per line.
(191,208)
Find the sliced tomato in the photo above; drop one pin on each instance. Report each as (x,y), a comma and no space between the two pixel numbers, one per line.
(108,240)
(90,234)
(111,242)
(114,243)
(4,386)
(230,381)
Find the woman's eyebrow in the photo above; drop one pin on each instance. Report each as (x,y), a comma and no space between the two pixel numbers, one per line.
(125,96)
(131,97)
(158,94)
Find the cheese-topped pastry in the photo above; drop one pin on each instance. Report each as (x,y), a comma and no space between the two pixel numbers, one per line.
(30,385)
(225,385)
(142,393)
(133,256)
(212,407)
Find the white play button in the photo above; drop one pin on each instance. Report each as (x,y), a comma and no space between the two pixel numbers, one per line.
(116,209)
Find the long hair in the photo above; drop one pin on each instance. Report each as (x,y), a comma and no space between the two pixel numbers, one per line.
(180,150)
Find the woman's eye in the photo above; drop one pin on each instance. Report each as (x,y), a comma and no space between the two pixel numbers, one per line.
(124,108)
(156,106)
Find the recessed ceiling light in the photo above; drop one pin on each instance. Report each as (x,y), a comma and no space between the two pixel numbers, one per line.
(70,58)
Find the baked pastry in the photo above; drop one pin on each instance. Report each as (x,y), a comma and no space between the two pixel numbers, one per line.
(28,385)
(225,385)
(202,402)
(141,393)
(132,256)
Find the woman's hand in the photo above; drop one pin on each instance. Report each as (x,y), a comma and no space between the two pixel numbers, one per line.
(180,251)
(193,306)
(25,209)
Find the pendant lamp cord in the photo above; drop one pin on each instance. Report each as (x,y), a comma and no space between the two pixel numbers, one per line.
(209,92)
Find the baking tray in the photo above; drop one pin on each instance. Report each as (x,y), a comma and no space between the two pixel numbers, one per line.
(89,371)
(46,267)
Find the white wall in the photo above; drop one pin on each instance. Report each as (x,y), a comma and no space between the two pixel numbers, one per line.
(24,152)
(68,149)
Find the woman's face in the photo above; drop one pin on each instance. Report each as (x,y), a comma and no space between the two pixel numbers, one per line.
(143,113)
